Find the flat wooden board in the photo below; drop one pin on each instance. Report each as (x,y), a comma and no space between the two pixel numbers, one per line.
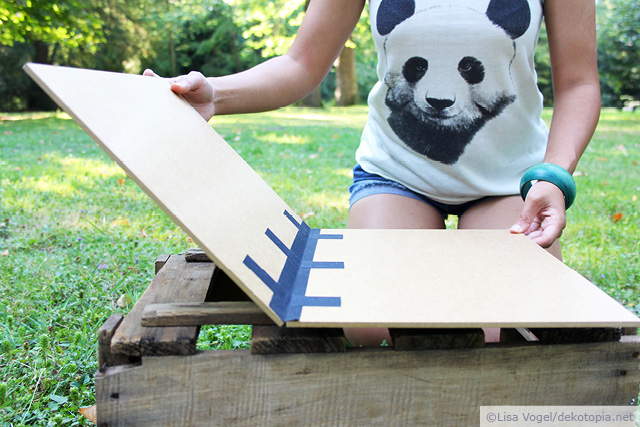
(181,163)
(398,278)
(452,278)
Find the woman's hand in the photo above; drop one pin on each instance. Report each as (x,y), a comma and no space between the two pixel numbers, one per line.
(195,89)
(543,216)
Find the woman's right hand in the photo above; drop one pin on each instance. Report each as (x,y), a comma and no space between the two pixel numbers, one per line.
(195,89)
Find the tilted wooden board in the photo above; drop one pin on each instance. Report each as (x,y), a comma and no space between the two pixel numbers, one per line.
(332,278)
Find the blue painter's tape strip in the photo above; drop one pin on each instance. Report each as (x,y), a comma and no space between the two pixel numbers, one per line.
(329,236)
(289,292)
(253,266)
(277,241)
(323,264)
(317,301)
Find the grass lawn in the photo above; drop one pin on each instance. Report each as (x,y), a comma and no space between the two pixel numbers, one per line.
(78,238)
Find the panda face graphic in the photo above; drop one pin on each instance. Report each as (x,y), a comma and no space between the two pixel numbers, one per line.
(443,86)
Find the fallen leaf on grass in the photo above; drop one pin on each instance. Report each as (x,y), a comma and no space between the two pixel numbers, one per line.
(634,198)
(617,217)
(121,182)
(123,301)
(120,221)
(5,253)
(89,412)
(305,215)
(8,132)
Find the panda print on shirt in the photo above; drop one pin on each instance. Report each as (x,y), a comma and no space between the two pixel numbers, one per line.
(445,83)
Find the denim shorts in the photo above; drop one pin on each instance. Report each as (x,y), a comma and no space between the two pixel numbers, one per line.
(367,184)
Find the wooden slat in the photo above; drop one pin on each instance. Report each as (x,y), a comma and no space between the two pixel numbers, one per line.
(178,281)
(436,339)
(196,255)
(364,387)
(274,340)
(106,358)
(204,313)
(576,335)
(160,262)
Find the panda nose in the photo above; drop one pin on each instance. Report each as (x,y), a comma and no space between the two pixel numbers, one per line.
(440,104)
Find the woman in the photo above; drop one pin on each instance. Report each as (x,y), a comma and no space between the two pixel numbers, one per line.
(454,121)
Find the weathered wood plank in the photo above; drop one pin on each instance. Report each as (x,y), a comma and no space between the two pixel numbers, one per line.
(435,339)
(364,386)
(274,340)
(576,335)
(106,358)
(205,313)
(178,281)
(196,255)
(160,262)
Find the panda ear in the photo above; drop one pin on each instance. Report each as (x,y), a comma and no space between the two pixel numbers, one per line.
(513,16)
(393,12)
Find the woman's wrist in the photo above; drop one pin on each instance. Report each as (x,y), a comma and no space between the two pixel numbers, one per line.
(554,174)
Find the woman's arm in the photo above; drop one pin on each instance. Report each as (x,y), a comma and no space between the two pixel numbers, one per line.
(571,30)
(280,81)
(571,33)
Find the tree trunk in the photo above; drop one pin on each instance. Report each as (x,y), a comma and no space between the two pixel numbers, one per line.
(314,99)
(37,99)
(346,81)
(172,48)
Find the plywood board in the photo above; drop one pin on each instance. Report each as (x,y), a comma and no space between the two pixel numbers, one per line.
(309,277)
(452,278)
(180,162)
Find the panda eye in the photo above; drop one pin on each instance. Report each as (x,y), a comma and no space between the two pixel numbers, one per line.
(471,70)
(414,69)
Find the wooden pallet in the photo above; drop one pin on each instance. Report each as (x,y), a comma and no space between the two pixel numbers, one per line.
(151,374)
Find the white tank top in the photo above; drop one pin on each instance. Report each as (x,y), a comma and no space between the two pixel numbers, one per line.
(456,112)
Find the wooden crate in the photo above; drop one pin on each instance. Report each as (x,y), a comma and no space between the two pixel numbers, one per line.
(153,375)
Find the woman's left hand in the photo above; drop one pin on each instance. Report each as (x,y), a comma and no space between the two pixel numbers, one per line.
(543,216)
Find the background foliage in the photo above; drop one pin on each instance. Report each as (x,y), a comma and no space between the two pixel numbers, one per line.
(220,37)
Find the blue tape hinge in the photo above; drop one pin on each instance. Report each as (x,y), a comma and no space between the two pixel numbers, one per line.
(289,292)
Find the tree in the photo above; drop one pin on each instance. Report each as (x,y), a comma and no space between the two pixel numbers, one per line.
(46,27)
(619,50)
(346,92)
(202,35)
(356,65)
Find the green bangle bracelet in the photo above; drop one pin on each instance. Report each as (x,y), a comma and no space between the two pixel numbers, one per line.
(553,174)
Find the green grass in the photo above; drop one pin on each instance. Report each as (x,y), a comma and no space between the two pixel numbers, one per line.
(76,235)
